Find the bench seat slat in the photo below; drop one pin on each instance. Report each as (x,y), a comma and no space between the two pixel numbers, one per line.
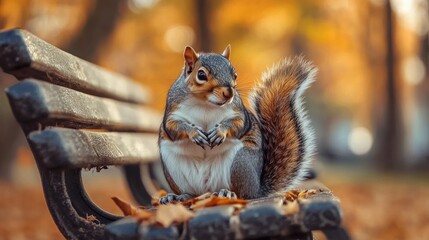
(69,148)
(48,104)
(262,218)
(24,55)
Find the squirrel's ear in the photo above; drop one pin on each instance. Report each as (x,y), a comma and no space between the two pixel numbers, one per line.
(190,58)
(227,51)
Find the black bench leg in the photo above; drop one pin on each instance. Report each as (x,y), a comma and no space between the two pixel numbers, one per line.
(138,189)
(75,215)
(144,181)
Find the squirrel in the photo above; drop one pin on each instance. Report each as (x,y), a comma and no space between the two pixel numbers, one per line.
(210,142)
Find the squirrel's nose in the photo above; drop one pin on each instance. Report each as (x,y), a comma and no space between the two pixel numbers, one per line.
(227,93)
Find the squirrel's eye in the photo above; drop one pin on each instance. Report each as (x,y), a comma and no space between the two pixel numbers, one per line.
(201,75)
(235,75)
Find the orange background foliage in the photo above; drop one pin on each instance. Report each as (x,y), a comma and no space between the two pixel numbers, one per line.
(348,41)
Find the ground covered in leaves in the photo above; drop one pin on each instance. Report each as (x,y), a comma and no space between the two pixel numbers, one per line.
(376,208)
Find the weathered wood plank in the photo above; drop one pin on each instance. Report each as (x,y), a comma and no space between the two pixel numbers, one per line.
(52,105)
(262,218)
(124,229)
(212,223)
(311,184)
(27,56)
(319,211)
(68,148)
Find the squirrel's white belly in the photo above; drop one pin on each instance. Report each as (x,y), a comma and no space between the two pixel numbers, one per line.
(196,171)
(193,169)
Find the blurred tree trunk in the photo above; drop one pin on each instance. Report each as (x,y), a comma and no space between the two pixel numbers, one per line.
(11,140)
(422,91)
(204,37)
(11,137)
(98,28)
(390,151)
(424,50)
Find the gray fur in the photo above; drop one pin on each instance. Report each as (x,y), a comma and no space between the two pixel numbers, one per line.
(246,171)
(219,67)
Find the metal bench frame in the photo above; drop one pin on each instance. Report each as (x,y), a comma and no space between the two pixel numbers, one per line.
(54,87)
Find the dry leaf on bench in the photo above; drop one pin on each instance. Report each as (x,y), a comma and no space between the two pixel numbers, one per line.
(172,213)
(191,201)
(157,196)
(309,193)
(291,208)
(130,210)
(160,193)
(291,195)
(126,208)
(216,201)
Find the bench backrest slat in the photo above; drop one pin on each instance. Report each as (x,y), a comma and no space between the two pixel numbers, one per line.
(26,56)
(52,105)
(68,148)
(77,115)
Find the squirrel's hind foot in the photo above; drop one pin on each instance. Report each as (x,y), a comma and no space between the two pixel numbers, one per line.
(225,193)
(172,198)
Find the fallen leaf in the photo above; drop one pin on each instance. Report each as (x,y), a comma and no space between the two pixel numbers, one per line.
(291,208)
(302,194)
(160,193)
(155,202)
(157,196)
(291,195)
(127,208)
(308,193)
(203,196)
(237,208)
(144,216)
(130,210)
(216,201)
(172,213)
(191,201)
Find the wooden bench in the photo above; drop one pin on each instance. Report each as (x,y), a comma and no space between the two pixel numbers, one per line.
(76,115)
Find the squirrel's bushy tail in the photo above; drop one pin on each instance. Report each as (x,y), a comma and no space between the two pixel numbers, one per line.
(288,137)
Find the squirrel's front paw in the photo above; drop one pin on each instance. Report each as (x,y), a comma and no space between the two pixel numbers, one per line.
(198,136)
(225,193)
(172,198)
(216,135)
